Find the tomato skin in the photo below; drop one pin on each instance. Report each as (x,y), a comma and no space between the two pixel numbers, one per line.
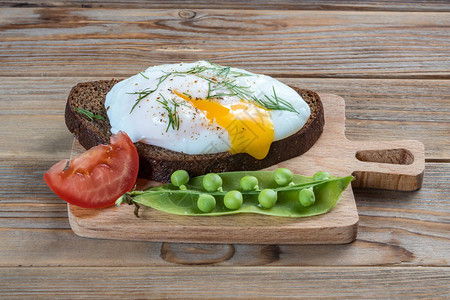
(96,178)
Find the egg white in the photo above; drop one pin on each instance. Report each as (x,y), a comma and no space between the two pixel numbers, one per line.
(148,121)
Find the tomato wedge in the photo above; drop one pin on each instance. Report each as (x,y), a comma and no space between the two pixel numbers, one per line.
(99,176)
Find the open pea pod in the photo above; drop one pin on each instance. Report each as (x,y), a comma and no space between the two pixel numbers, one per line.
(169,198)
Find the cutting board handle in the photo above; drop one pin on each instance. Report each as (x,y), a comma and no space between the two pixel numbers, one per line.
(393,165)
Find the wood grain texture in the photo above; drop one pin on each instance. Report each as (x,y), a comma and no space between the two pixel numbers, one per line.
(387,109)
(220,282)
(367,5)
(109,42)
(406,232)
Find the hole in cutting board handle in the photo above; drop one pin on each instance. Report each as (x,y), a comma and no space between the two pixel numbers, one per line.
(389,156)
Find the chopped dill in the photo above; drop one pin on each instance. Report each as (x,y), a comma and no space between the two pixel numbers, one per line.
(88,114)
(143,75)
(146,92)
(225,71)
(275,103)
(171,108)
(209,90)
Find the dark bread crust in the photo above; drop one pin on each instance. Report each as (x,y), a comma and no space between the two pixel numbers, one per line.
(158,164)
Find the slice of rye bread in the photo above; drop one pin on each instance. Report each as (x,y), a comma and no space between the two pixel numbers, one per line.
(156,163)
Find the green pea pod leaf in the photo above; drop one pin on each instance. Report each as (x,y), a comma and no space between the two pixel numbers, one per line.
(170,199)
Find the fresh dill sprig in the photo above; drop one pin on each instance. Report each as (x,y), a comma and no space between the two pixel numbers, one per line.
(143,75)
(224,71)
(142,94)
(209,90)
(195,70)
(219,69)
(88,114)
(271,103)
(146,92)
(275,103)
(171,108)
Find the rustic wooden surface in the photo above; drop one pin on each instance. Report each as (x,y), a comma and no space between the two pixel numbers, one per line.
(389,60)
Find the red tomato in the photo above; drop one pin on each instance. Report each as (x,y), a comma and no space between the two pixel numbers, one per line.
(97,177)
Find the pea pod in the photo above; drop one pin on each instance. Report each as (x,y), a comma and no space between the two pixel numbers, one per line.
(169,198)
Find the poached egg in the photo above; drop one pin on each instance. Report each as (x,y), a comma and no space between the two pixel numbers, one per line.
(205,108)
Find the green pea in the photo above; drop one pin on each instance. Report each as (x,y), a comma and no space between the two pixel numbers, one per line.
(321,176)
(206,203)
(249,183)
(283,176)
(307,197)
(180,178)
(233,200)
(267,198)
(212,182)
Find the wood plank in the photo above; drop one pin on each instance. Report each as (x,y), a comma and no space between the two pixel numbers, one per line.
(379,246)
(396,228)
(220,282)
(376,109)
(108,42)
(377,5)
(35,137)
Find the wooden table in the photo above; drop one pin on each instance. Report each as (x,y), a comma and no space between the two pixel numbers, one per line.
(390,61)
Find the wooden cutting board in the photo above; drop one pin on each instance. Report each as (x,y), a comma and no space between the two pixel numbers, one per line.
(395,165)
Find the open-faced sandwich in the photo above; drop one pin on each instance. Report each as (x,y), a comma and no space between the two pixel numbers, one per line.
(200,117)
(194,124)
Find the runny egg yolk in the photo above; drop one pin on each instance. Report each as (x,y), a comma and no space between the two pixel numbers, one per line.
(249,126)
